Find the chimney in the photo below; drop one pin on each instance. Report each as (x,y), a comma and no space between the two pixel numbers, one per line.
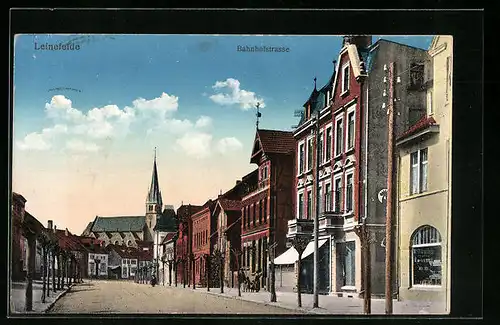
(66,232)
(50,224)
(238,182)
(55,228)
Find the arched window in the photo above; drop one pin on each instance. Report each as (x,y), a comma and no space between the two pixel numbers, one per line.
(116,242)
(426,257)
(129,243)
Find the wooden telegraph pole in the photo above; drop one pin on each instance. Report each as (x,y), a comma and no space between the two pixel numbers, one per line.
(388,222)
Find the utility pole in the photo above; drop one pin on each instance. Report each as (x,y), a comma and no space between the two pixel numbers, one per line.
(388,221)
(316,215)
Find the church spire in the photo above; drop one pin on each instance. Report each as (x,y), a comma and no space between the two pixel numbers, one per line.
(154,195)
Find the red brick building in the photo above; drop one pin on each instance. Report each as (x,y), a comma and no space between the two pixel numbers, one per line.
(266,204)
(183,243)
(202,240)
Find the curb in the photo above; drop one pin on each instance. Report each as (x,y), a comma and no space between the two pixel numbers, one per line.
(265,303)
(60,295)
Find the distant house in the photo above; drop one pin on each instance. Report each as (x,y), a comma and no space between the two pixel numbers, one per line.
(98,262)
(123,261)
(124,230)
(168,258)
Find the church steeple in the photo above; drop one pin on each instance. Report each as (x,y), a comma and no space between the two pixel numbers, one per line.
(154,195)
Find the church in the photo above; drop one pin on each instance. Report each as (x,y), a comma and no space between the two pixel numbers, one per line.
(140,232)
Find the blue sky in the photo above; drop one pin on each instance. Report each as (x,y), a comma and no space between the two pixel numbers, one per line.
(122,70)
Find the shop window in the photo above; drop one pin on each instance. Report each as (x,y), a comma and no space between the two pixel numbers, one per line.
(426,257)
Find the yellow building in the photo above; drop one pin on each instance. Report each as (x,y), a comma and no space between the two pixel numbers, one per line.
(424,189)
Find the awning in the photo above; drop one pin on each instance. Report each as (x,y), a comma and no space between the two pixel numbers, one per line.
(288,257)
(291,255)
(310,247)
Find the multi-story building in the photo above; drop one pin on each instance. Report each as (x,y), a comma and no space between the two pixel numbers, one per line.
(228,216)
(17,244)
(266,204)
(423,193)
(183,243)
(166,225)
(352,160)
(202,240)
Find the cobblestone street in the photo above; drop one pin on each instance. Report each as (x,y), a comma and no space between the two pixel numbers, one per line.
(129,297)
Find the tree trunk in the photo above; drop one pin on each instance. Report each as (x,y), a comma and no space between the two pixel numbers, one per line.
(273,281)
(221,273)
(63,267)
(47,268)
(184,273)
(208,273)
(175,273)
(170,274)
(44,271)
(30,269)
(58,272)
(299,296)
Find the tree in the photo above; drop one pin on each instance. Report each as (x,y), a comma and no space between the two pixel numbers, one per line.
(300,244)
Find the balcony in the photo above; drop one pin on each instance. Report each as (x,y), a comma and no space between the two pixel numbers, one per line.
(300,227)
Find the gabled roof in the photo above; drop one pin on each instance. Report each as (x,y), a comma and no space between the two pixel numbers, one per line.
(167,220)
(126,223)
(230,205)
(272,142)
(421,124)
(17,196)
(123,252)
(169,237)
(88,229)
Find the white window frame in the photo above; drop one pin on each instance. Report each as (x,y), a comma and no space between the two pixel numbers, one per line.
(309,189)
(298,203)
(350,110)
(326,183)
(311,139)
(303,144)
(347,173)
(344,66)
(335,178)
(418,174)
(327,102)
(329,126)
(321,136)
(339,117)
(430,107)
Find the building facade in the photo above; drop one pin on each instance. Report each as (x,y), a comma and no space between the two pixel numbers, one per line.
(202,240)
(424,188)
(266,204)
(18,203)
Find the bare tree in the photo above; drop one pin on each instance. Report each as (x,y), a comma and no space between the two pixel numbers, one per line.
(300,244)
(237,255)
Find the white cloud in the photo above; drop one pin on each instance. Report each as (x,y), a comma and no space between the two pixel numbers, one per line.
(81,146)
(203,121)
(34,141)
(231,94)
(196,144)
(228,144)
(158,107)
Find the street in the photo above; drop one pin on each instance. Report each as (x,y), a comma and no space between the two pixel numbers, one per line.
(129,297)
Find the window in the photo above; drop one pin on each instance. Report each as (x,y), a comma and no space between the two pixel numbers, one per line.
(347,259)
(116,242)
(321,146)
(350,129)
(103,268)
(349,192)
(91,256)
(416,75)
(301,158)
(254,214)
(264,209)
(309,204)
(264,172)
(309,154)
(345,78)
(248,216)
(150,208)
(320,198)
(134,262)
(337,197)
(339,135)
(300,213)
(426,256)
(328,143)
(430,109)
(328,197)
(129,243)
(418,174)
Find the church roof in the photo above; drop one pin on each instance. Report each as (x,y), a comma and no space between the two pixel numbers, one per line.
(154,194)
(125,223)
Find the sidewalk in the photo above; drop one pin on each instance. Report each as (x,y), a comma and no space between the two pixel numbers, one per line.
(328,304)
(17,297)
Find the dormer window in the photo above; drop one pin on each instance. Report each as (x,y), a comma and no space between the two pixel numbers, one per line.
(345,78)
